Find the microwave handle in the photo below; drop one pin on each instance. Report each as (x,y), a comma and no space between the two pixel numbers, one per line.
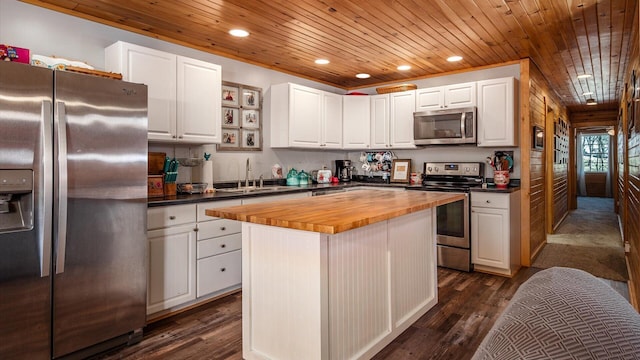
(462,125)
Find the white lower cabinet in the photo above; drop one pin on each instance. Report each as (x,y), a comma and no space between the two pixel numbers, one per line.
(219,264)
(172,256)
(495,232)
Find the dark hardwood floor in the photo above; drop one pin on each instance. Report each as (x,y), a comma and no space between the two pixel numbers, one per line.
(469,304)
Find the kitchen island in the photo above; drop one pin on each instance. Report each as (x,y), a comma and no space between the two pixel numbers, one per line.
(336,276)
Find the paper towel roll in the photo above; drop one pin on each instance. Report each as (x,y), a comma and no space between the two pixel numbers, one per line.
(207,173)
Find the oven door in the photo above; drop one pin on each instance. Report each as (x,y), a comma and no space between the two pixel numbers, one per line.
(453,223)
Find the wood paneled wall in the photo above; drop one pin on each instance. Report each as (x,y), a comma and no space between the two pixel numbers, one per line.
(547,196)
(631,171)
(537,201)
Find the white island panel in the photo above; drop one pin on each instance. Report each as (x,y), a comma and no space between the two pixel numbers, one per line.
(309,295)
(359,291)
(284,304)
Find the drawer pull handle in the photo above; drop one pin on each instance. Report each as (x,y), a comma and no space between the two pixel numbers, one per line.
(172,217)
(488,202)
(223,269)
(223,246)
(222,228)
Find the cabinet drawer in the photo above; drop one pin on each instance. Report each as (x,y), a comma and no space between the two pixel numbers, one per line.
(212,205)
(165,216)
(219,272)
(219,227)
(219,245)
(489,200)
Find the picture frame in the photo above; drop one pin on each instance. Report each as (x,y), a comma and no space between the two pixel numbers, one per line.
(230,138)
(230,95)
(251,139)
(230,117)
(250,98)
(250,119)
(241,118)
(401,170)
(538,138)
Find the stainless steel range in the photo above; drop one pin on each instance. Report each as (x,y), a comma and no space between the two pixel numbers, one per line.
(453,235)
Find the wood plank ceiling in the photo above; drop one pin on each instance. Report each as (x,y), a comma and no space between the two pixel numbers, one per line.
(565,38)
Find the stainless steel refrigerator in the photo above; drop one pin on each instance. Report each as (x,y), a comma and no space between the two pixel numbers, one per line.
(73,175)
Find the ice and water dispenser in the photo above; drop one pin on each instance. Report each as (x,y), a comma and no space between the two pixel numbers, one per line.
(16,200)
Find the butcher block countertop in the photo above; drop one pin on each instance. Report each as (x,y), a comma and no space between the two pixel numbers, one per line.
(335,213)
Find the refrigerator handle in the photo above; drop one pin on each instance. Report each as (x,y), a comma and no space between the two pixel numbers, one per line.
(46,182)
(61,131)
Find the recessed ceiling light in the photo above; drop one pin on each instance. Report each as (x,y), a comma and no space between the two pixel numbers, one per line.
(363,76)
(454,58)
(322,61)
(591,101)
(404,67)
(587,93)
(238,33)
(584,76)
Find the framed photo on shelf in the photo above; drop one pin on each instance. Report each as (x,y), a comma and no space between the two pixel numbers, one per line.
(230,95)
(230,117)
(241,118)
(401,170)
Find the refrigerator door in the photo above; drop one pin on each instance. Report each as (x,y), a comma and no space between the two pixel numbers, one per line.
(100,142)
(25,248)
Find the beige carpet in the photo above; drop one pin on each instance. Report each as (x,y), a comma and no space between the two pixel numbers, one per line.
(588,239)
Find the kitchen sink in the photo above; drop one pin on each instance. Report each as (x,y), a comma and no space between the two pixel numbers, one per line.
(251,189)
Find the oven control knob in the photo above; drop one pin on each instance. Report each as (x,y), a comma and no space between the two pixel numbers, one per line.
(437,169)
(466,169)
(429,169)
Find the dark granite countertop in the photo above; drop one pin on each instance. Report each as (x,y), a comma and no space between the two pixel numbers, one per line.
(281,189)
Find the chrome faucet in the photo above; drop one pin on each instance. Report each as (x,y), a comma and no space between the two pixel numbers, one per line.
(246,175)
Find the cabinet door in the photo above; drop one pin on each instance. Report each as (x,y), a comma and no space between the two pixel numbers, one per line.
(460,95)
(332,121)
(356,122)
(199,97)
(490,237)
(496,113)
(402,106)
(305,116)
(157,70)
(380,121)
(172,267)
(429,98)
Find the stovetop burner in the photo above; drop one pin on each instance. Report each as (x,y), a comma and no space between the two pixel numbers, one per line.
(452,176)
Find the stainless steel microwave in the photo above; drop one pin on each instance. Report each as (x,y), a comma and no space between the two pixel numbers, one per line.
(446,126)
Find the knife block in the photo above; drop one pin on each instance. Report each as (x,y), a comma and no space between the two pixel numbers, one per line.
(170,189)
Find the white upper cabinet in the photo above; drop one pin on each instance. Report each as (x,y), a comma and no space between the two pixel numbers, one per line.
(303,117)
(402,107)
(380,121)
(184,94)
(199,97)
(331,121)
(392,120)
(356,122)
(450,96)
(496,112)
